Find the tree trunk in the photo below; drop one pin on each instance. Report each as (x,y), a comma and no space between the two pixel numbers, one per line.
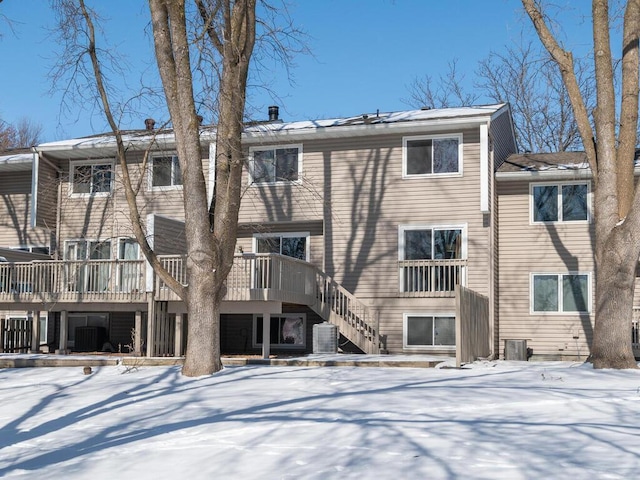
(615,278)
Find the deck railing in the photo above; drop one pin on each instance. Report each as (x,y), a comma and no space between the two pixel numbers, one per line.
(431,278)
(253,277)
(280,278)
(91,280)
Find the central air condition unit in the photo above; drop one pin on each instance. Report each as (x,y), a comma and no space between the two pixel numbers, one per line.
(325,338)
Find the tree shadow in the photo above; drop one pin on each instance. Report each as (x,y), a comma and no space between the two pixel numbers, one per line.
(442,425)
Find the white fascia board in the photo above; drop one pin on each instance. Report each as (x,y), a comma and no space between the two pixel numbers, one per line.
(568,174)
(348,131)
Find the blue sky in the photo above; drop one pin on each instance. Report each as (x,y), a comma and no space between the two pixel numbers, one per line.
(365,53)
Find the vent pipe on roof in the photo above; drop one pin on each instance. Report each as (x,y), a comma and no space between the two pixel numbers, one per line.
(273,113)
(149,123)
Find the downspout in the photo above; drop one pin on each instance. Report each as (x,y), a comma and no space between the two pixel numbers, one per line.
(38,157)
(488,209)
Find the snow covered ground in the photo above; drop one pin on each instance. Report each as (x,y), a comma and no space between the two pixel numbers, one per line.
(491,420)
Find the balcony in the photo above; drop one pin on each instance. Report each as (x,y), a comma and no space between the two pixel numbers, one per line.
(431,278)
(262,277)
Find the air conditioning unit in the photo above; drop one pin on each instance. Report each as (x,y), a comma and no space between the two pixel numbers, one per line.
(325,338)
(515,350)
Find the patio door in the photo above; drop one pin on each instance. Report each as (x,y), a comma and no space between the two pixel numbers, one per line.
(128,270)
(84,275)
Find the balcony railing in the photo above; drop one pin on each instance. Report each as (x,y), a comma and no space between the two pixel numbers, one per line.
(431,278)
(72,281)
(253,277)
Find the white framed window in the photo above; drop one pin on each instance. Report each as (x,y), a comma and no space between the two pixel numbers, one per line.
(165,172)
(295,244)
(91,178)
(33,249)
(432,155)
(560,293)
(560,202)
(287,330)
(129,271)
(429,331)
(275,164)
(85,275)
(419,245)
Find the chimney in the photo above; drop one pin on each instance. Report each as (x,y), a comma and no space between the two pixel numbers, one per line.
(273,113)
(149,123)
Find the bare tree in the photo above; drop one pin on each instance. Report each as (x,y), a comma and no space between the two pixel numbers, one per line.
(610,147)
(447,91)
(210,229)
(530,82)
(525,78)
(7,136)
(24,134)
(28,133)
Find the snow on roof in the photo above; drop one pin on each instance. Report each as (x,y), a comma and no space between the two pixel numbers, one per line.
(17,161)
(142,138)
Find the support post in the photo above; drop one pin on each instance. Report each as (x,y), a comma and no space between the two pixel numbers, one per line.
(2,333)
(64,332)
(266,335)
(177,348)
(35,331)
(137,333)
(151,321)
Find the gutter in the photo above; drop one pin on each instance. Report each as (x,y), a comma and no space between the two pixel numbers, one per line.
(551,174)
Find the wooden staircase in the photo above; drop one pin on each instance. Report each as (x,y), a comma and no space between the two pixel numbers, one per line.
(354,319)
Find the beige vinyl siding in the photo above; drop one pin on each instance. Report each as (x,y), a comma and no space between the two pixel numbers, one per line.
(103,217)
(358,183)
(46,210)
(15,212)
(530,248)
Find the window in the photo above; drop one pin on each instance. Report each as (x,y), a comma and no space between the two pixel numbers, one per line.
(419,246)
(275,164)
(32,249)
(429,331)
(432,155)
(92,179)
(87,273)
(290,244)
(165,172)
(562,202)
(569,292)
(129,271)
(286,330)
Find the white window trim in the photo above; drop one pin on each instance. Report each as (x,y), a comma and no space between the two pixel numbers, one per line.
(154,188)
(457,136)
(405,328)
(284,346)
(29,248)
(401,244)
(560,297)
(275,147)
(306,235)
(558,198)
(459,226)
(73,164)
(88,241)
